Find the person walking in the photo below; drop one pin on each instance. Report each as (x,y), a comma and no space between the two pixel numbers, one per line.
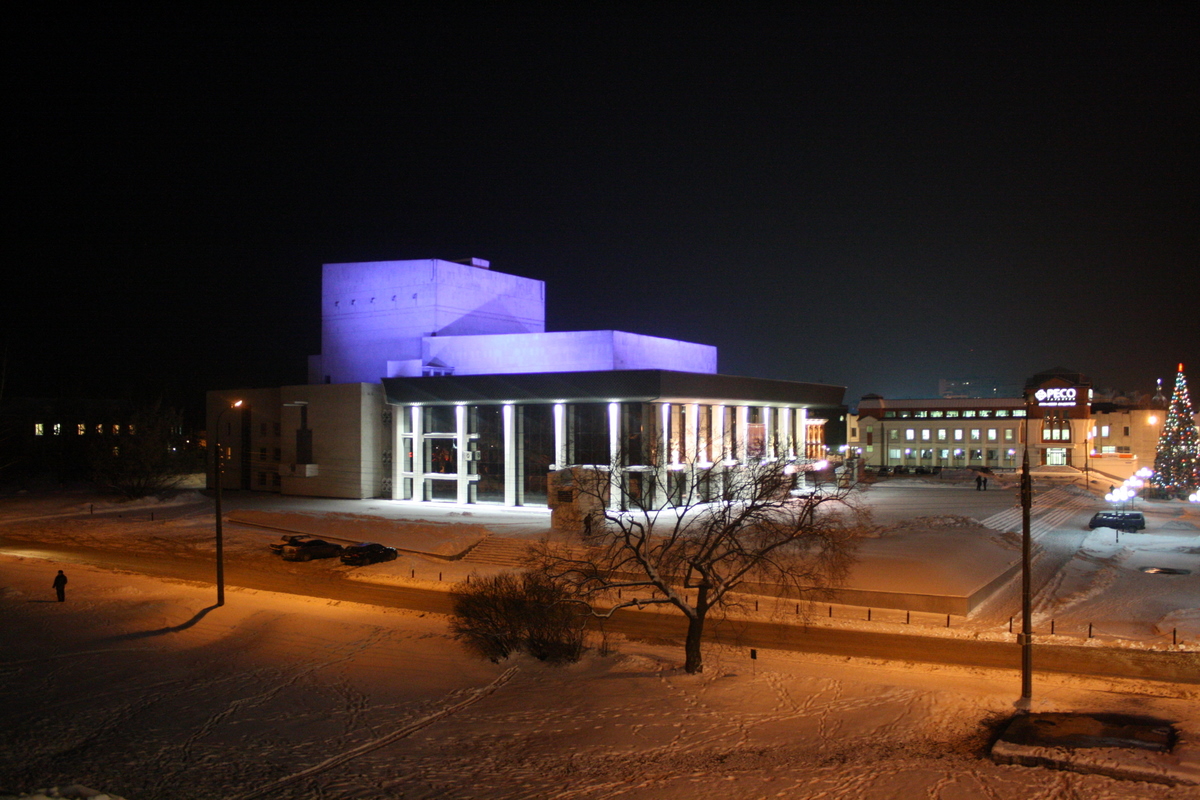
(985,483)
(60,586)
(979,483)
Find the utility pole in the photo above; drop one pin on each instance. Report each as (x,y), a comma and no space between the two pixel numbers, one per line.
(1026,636)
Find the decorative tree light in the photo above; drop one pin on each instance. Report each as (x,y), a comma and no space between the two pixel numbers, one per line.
(1177,461)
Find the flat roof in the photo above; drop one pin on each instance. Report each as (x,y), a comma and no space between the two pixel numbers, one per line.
(629,386)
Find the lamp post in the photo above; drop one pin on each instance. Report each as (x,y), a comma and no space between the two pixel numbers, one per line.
(217,477)
(1026,637)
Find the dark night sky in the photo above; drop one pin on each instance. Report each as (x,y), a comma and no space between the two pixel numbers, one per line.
(862,197)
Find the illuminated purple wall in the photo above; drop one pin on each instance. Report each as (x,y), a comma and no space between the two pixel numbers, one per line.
(406,318)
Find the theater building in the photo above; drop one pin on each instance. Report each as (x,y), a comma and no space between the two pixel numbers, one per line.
(437,381)
(1064,423)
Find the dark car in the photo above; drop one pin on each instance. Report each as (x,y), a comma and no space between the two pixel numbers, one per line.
(368,553)
(284,541)
(1118,520)
(309,549)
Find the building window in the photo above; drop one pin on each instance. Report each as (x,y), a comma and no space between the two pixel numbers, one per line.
(937,413)
(894,435)
(275,479)
(1122,449)
(941,434)
(889,415)
(100,428)
(992,435)
(1104,431)
(991,455)
(854,433)
(1002,413)
(976,455)
(1020,412)
(894,454)
(926,434)
(1126,430)
(943,454)
(958,434)
(951,413)
(39,429)
(968,413)
(976,434)
(58,429)
(262,479)
(81,429)
(1009,435)
(921,414)
(910,435)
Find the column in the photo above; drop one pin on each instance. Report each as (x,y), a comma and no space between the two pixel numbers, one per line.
(511,453)
(560,436)
(418,451)
(461,442)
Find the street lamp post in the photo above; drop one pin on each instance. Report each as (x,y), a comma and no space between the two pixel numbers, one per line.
(217,477)
(1026,637)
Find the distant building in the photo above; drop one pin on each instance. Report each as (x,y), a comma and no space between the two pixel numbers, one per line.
(52,439)
(437,381)
(1068,426)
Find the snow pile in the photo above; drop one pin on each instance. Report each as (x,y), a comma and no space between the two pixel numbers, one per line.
(74,792)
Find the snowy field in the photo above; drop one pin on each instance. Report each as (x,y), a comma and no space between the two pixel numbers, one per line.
(136,686)
(137,691)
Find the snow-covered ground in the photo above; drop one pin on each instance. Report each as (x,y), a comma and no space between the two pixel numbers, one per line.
(139,691)
(137,687)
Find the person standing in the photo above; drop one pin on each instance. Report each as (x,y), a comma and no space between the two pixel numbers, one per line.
(979,483)
(60,586)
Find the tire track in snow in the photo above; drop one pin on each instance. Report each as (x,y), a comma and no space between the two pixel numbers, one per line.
(375,744)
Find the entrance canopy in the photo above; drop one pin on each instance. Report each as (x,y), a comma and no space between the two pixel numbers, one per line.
(630,386)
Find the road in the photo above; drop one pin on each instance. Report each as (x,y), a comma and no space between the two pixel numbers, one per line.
(318,580)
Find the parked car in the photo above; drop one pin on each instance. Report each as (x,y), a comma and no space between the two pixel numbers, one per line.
(284,541)
(309,549)
(1118,520)
(368,553)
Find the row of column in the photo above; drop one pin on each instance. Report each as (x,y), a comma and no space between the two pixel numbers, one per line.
(784,433)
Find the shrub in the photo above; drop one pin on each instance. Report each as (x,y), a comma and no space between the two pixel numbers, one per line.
(506,613)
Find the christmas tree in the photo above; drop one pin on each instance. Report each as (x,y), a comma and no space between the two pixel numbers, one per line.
(1177,462)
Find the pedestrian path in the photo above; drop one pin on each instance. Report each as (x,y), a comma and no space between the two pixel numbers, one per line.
(1052,509)
(501,551)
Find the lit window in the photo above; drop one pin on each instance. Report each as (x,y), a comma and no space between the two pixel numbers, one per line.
(116,451)
(968,413)
(921,414)
(951,413)
(1002,412)
(941,434)
(58,429)
(81,429)
(1108,448)
(1020,412)
(131,430)
(116,429)
(985,413)
(910,435)
(1009,435)
(926,434)
(976,434)
(1103,430)
(39,429)
(993,436)
(958,434)
(937,413)
(893,434)
(100,427)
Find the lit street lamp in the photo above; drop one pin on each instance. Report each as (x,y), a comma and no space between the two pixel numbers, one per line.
(217,477)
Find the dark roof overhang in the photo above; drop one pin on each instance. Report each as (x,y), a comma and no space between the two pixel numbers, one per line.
(629,386)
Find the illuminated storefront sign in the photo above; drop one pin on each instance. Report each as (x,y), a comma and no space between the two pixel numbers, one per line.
(1057,396)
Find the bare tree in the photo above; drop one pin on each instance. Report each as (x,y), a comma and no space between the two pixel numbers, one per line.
(151,459)
(711,530)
